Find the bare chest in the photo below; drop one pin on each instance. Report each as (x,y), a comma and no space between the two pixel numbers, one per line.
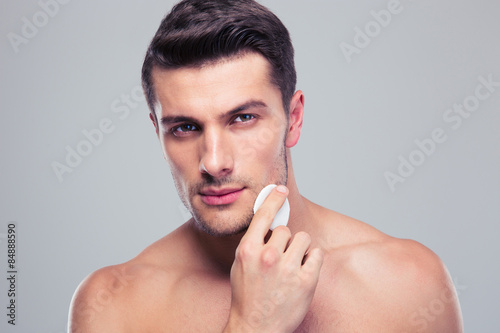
(204,307)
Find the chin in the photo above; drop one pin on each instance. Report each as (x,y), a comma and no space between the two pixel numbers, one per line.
(223,226)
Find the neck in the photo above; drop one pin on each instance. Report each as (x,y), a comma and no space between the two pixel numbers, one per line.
(219,252)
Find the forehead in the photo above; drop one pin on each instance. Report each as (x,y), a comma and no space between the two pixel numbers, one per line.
(216,87)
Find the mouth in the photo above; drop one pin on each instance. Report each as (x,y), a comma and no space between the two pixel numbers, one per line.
(216,197)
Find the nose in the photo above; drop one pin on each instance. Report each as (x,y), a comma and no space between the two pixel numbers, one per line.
(216,154)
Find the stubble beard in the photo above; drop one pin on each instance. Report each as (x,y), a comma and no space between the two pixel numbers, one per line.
(224,226)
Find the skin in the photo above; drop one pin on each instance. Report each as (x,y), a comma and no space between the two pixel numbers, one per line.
(324,272)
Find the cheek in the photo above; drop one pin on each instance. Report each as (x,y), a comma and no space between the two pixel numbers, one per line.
(263,145)
(179,158)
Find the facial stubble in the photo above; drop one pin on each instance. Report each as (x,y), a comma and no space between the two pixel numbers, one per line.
(224,226)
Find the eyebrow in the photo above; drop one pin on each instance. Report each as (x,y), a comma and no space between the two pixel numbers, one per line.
(243,107)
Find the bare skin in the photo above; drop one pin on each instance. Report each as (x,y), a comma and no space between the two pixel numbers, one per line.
(352,277)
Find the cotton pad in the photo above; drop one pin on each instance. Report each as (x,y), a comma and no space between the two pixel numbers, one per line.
(281,217)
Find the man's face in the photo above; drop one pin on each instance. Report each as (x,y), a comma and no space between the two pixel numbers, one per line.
(222,129)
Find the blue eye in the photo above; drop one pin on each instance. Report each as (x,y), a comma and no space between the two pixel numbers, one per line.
(243,118)
(183,129)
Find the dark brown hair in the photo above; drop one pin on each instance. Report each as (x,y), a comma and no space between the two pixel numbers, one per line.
(197,32)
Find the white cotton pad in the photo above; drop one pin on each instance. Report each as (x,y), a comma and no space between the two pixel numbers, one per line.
(281,217)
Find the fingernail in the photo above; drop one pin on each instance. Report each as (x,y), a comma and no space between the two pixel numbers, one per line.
(281,188)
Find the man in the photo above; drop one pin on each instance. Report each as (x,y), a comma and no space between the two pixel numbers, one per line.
(220,82)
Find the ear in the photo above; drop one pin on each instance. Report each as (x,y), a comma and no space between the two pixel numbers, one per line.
(295,119)
(153,119)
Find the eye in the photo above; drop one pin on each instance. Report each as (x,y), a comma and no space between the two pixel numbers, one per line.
(243,118)
(183,130)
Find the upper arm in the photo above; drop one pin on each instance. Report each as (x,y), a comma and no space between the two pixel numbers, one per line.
(94,307)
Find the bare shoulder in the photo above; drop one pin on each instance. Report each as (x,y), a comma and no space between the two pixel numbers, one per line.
(400,283)
(414,283)
(114,298)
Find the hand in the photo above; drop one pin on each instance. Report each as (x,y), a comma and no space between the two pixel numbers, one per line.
(272,283)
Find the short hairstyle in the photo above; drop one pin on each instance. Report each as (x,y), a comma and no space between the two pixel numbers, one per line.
(199,32)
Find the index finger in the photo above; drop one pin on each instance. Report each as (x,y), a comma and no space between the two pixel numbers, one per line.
(263,218)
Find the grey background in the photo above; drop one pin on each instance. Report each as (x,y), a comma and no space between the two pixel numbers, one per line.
(360,116)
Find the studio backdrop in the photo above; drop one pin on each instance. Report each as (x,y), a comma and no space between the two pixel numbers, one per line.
(401,130)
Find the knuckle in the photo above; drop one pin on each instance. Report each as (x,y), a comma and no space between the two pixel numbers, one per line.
(244,251)
(283,231)
(270,256)
(303,236)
